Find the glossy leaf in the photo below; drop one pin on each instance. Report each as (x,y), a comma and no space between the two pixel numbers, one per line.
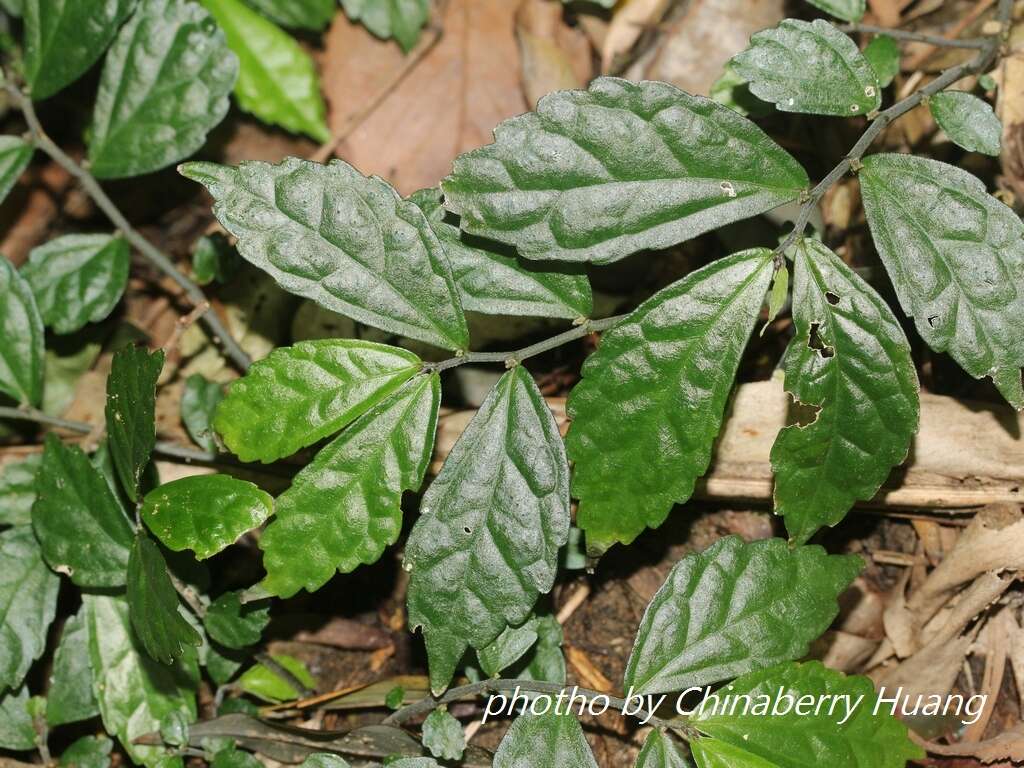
(214,258)
(164,86)
(131,412)
(851,361)
(344,508)
(233,624)
(711,753)
(596,175)
(847,10)
(968,121)
(297,14)
(651,402)
(955,255)
(21,338)
(443,736)
(69,696)
(63,38)
(661,751)
(316,387)
(809,67)
(28,602)
(16,731)
(883,54)
(491,523)
(551,739)
(266,684)
(15,154)
(199,400)
(77,279)
(277,80)
(802,738)
(204,513)
(400,19)
(733,608)
(87,752)
(134,692)
(18,490)
(80,524)
(348,242)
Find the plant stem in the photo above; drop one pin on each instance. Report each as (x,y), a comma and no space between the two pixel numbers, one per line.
(917,37)
(883,119)
(154,255)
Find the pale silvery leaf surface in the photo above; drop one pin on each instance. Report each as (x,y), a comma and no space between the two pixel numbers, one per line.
(69,696)
(548,740)
(400,19)
(847,10)
(15,154)
(968,121)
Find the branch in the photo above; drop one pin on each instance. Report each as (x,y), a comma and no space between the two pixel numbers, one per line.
(155,256)
(917,37)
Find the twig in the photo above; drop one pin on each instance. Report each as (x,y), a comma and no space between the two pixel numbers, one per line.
(189,595)
(918,60)
(154,255)
(917,37)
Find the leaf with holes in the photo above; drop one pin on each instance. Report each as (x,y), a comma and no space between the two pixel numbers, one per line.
(847,10)
(809,67)
(21,338)
(650,405)
(400,19)
(851,361)
(297,14)
(77,279)
(131,412)
(968,121)
(661,751)
(15,154)
(70,698)
(344,508)
(486,543)
(955,255)
(17,489)
(734,608)
(348,242)
(551,739)
(599,174)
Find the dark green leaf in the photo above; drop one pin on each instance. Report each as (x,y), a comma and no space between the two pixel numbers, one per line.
(165,84)
(395,698)
(63,38)
(79,522)
(234,758)
(344,508)
(490,527)
(214,258)
(77,279)
(650,405)
(851,362)
(15,154)
(21,338)
(847,10)
(131,412)
(204,513)
(599,174)
(134,692)
(348,242)
(797,740)
(70,693)
(809,67)
(955,255)
(222,663)
(545,661)
(661,751)
(199,401)
(18,490)
(233,624)
(733,608)
(400,19)
(968,121)
(154,607)
(883,54)
(552,739)
(316,387)
(493,280)
(87,752)
(443,736)
(508,648)
(16,731)
(266,684)
(299,14)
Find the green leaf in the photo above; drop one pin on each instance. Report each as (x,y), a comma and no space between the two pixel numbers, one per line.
(230,757)
(277,80)
(956,259)
(262,682)
(16,731)
(77,279)
(711,753)
(395,698)
(732,91)
(348,242)
(809,67)
(222,664)
(70,693)
(79,522)
(204,513)
(66,360)
(508,647)
(63,38)
(153,604)
(87,752)
(15,154)
(316,387)
(233,624)
(596,175)
(494,280)
(661,751)
(443,736)
(799,739)
(199,401)
(164,86)
(778,295)
(850,360)
(297,14)
(550,739)
(134,692)
(546,661)
(847,10)
(28,603)
(400,19)
(18,489)
(883,54)
(733,608)
(486,542)
(21,338)
(214,258)
(968,121)
(324,760)
(651,402)
(131,412)
(344,508)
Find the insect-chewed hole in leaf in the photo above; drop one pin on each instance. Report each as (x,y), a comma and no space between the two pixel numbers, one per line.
(802,414)
(933,320)
(467,529)
(831,298)
(814,342)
